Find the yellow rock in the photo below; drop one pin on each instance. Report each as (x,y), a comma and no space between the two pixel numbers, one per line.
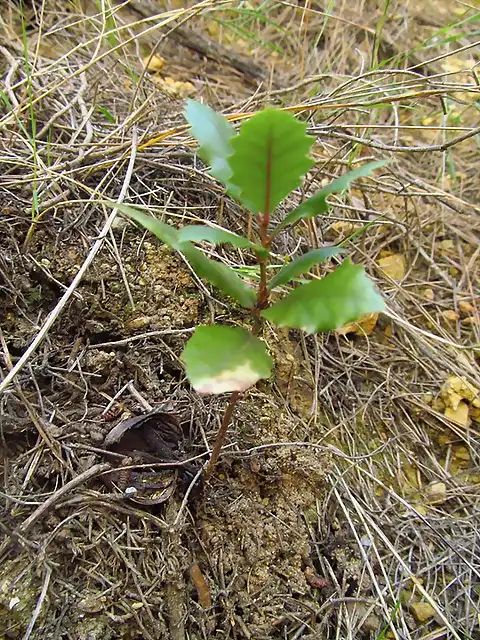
(461,453)
(450,315)
(393,266)
(153,63)
(177,87)
(452,400)
(422,611)
(456,389)
(343,227)
(459,415)
(466,307)
(438,404)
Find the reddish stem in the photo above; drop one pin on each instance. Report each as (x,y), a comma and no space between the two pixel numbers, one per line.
(262,303)
(222,432)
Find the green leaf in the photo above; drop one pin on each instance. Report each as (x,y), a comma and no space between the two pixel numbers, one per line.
(165,232)
(218,274)
(269,158)
(214,272)
(323,305)
(220,359)
(317,204)
(303,264)
(215,235)
(214,134)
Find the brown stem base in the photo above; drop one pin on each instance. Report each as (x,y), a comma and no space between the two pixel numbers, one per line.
(222,432)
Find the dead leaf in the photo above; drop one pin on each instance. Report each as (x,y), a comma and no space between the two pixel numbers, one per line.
(363,327)
(388,331)
(203,590)
(156,437)
(314,580)
(153,63)
(394,266)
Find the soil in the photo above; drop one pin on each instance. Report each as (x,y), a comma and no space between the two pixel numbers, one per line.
(249,537)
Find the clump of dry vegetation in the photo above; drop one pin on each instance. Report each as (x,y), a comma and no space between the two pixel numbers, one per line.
(346,501)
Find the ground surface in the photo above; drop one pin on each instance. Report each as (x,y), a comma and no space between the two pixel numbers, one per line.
(346,503)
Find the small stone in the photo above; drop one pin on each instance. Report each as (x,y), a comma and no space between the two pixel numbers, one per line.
(450,315)
(422,611)
(436,493)
(54,431)
(429,294)
(91,604)
(96,435)
(153,62)
(138,323)
(466,307)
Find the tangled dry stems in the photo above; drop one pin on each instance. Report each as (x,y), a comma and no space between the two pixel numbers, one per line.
(361,403)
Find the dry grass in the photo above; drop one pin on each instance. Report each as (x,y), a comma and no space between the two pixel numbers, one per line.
(321,522)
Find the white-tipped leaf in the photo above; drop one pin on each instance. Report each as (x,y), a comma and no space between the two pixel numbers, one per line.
(221,359)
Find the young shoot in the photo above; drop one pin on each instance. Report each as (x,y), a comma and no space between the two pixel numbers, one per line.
(259,167)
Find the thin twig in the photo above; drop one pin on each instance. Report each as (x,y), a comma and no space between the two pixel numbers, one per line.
(83,477)
(41,599)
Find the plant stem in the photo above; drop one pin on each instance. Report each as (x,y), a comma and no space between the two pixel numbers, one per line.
(217,447)
(262,303)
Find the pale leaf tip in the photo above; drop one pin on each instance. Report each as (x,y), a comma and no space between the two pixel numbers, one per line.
(239,379)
